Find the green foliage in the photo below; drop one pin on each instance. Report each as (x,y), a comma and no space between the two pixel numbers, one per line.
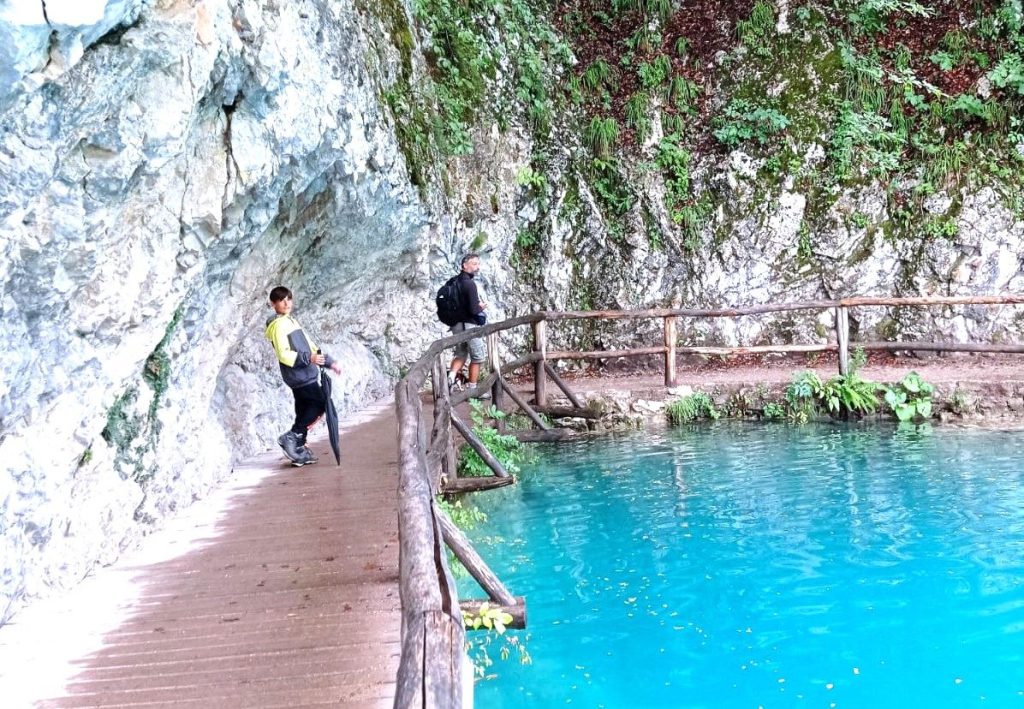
(464,43)
(599,75)
(864,138)
(156,372)
(526,239)
(841,396)
(1009,73)
(465,518)
(122,427)
(478,241)
(911,398)
(689,408)
(773,411)
(489,624)
(528,177)
(611,187)
(654,73)
(869,16)
(756,31)
(638,114)
(601,135)
(682,94)
(507,449)
(744,120)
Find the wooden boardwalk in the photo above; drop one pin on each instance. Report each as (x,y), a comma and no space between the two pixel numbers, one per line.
(292,601)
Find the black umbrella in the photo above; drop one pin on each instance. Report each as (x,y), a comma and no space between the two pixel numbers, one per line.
(331,414)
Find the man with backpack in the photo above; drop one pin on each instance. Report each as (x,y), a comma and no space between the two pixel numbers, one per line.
(459,306)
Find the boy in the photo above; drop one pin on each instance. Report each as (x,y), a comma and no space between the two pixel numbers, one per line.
(300,361)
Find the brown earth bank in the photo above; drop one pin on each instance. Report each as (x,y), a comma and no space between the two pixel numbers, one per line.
(980,389)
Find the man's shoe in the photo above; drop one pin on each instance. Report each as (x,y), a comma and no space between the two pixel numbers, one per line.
(482,395)
(289,443)
(310,458)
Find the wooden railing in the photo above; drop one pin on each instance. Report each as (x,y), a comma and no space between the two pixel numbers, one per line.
(432,671)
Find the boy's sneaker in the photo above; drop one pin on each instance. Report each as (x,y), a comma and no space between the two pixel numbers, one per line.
(306,457)
(481,395)
(289,443)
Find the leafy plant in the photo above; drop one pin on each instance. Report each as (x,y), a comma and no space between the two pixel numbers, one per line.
(842,395)
(690,408)
(465,518)
(637,114)
(911,398)
(1009,73)
(756,31)
(773,411)
(528,177)
(599,74)
(601,135)
(744,120)
(491,624)
(507,449)
(654,73)
(870,15)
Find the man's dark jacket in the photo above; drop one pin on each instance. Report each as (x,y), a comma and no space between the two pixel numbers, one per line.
(469,299)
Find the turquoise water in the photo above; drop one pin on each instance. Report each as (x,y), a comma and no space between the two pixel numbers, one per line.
(747,565)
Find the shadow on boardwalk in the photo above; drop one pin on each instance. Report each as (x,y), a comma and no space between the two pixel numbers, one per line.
(292,600)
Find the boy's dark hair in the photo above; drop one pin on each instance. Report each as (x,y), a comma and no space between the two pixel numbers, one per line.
(280,293)
(468,257)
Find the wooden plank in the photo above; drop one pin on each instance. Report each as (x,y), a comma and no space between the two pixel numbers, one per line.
(540,347)
(474,563)
(605,354)
(483,386)
(481,450)
(758,349)
(290,597)
(942,347)
(861,301)
(442,655)
(561,412)
(498,390)
(527,409)
(456,486)
(472,607)
(562,385)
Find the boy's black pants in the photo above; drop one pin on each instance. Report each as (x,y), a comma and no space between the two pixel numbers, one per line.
(309,406)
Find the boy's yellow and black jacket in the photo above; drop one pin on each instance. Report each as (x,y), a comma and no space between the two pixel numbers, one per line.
(294,349)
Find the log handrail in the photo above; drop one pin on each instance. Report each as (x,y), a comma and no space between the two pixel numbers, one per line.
(430,672)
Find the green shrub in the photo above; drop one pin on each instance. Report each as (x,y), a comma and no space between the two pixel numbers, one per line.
(744,120)
(842,395)
(601,135)
(507,449)
(910,398)
(773,411)
(690,408)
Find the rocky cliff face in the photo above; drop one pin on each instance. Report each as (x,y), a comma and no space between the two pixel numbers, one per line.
(161,167)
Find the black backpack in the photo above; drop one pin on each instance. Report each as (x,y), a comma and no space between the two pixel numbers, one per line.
(449,303)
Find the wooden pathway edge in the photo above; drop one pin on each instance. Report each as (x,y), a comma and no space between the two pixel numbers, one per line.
(279,589)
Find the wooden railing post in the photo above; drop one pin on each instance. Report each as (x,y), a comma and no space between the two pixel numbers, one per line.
(442,417)
(540,380)
(498,390)
(671,336)
(843,339)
